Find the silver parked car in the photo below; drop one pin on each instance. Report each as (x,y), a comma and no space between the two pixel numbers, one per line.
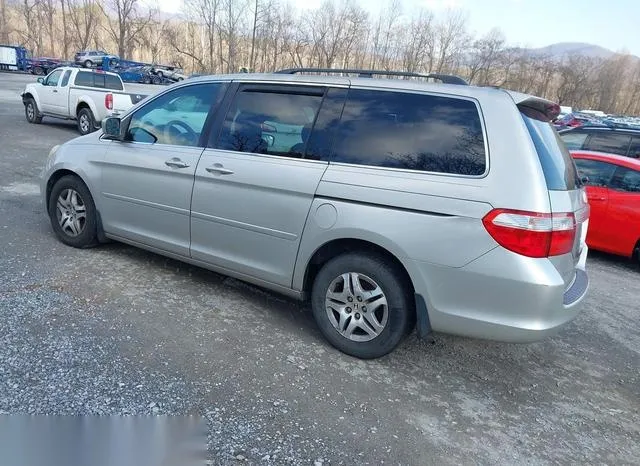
(388,203)
(92,58)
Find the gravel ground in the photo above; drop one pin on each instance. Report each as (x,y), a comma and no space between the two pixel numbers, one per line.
(116,330)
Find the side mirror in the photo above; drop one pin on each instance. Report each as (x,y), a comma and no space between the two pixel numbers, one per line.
(112,128)
(41,80)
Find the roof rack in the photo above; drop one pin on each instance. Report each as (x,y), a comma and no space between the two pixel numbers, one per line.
(445,78)
(611,126)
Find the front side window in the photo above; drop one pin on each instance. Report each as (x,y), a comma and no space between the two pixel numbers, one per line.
(573,140)
(274,122)
(411,131)
(627,180)
(177,117)
(53,78)
(609,143)
(598,173)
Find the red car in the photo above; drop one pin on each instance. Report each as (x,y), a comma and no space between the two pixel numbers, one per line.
(613,191)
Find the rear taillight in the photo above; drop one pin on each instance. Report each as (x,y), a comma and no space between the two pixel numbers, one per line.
(108,101)
(532,234)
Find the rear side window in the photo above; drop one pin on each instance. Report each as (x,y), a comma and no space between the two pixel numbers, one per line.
(634,148)
(597,173)
(65,78)
(609,142)
(627,180)
(557,165)
(574,140)
(112,82)
(98,80)
(411,131)
(84,78)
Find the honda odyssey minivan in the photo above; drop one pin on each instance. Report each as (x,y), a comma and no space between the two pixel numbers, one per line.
(389,204)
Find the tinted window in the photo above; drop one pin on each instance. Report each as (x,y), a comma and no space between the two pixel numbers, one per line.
(557,165)
(112,82)
(411,131)
(176,117)
(54,77)
(609,142)
(277,123)
(574,140)
(634,148)
(627,180)
(65,78)
(98,80)
(84,78)
(324,130)
(598,173)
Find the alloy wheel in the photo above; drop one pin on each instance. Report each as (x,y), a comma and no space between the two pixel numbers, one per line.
(71,212)
(356,307)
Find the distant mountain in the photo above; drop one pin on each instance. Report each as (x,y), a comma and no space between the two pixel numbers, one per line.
(563,49)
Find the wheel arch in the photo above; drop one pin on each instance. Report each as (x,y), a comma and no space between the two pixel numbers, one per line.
(82,103)
(336,247)
(31,95)
(62,172)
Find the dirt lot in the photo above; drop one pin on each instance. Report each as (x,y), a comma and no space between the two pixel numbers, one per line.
(117,330)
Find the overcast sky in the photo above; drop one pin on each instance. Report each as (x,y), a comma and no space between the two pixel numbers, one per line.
(614,24)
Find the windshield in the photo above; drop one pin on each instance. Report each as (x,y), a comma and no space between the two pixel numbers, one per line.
(557,164)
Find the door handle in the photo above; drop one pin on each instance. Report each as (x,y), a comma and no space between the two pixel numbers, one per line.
(176,163)
(218,169)
(55,90)
(597,198)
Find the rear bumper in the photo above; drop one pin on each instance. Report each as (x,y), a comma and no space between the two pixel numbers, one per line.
(500,296)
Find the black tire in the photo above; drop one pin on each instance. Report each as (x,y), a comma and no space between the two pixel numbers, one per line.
(38,70)
(400,304)
(87,236)
(180,79)
(86,121)
(31,112)
(88,64)
(157,80)
(147,80)
(160,74)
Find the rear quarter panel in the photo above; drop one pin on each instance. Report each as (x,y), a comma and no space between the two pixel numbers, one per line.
(428,217)
(94,99)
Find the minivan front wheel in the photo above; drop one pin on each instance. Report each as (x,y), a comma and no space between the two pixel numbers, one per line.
(73,213)
(362,305)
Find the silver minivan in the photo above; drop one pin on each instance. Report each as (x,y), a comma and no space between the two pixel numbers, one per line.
(390,204)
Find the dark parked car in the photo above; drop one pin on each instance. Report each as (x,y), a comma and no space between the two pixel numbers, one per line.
(610,140)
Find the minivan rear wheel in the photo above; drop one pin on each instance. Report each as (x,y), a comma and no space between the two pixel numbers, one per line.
(361,304)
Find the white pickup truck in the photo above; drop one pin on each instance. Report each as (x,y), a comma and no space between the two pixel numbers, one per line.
(87,96)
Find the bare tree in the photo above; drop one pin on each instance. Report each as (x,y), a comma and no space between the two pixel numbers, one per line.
(484,57)
(451,39)
(84,16)
(419,43)
(4,27)
(127,24)
(206,13)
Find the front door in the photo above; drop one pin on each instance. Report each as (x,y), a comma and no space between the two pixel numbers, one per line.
(598,178)
(147,179)
(48,93)
(254,188)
